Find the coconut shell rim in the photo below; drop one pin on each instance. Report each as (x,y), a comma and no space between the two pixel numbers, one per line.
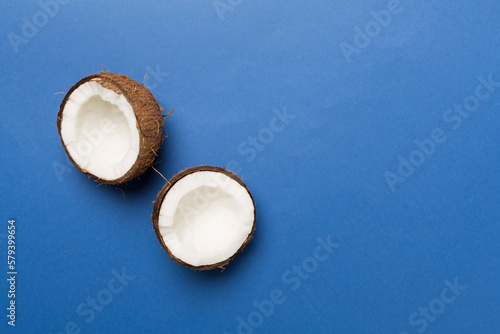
(161,196)
(104,76)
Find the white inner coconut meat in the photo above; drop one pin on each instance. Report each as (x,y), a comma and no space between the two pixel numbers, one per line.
(99,130)
(205,218)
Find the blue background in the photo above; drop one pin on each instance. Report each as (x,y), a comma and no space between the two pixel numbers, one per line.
(224,70)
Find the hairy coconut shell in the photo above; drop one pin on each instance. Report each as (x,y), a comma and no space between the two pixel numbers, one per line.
(159,201)
(149,120)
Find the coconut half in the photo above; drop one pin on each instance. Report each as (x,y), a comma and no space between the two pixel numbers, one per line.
(111,127)
(203,217)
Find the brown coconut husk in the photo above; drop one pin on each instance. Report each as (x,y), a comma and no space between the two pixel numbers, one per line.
(148,115)
(159,201)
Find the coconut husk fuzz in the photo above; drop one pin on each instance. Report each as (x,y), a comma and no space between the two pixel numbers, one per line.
(159,201)
(148,115)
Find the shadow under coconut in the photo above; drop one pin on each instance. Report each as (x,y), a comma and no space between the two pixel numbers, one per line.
(216,276)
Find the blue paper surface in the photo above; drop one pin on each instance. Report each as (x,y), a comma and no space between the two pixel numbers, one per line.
(367,132)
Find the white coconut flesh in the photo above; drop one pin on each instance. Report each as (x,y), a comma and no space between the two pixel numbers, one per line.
(205,218)
(99,130)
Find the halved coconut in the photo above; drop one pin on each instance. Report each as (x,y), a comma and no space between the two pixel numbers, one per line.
(111,127)
(203,217)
